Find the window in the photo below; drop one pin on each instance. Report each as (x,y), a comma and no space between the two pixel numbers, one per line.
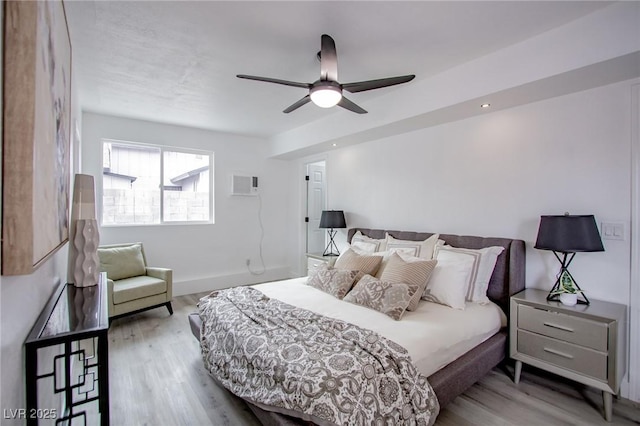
(151,184)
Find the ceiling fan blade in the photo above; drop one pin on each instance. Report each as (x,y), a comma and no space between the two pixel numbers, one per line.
(361,86)
(328,59)
(347,104)
(298,104)
(275,80)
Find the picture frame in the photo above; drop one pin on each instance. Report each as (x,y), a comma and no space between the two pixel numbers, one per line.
(36,134)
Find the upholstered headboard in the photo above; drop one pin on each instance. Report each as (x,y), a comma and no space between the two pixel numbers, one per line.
(508,275)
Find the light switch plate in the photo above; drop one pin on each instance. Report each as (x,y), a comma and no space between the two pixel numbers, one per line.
(612,231)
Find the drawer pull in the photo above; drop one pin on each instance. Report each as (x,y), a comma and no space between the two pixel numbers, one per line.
(555,352)
(559,327)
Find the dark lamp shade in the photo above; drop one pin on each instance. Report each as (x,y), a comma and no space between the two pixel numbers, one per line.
(569,234)
(331,219)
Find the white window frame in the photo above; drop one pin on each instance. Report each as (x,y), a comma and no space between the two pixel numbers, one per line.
(162,149)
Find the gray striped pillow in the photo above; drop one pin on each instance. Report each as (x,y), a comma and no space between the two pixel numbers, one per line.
(412,272)
(350,260)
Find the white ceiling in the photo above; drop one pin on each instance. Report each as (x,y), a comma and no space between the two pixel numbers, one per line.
(176,61)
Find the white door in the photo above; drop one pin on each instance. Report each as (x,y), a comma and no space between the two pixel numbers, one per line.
(316,203)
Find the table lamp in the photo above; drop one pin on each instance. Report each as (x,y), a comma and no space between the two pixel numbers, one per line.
(566,235)
(332,219)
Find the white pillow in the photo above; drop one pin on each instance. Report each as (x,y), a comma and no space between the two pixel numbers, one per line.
(367,244)
(484,263)
(450,279)
(364,246)
(422,249)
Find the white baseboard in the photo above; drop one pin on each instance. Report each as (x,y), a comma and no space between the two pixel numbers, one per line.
(218,282)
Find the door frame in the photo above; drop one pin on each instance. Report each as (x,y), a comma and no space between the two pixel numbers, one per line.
(301,258)
(634,285)
(307,199)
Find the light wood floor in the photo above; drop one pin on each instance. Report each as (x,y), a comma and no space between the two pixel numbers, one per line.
(157,378)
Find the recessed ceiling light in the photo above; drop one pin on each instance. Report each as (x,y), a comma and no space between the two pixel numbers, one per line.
(334,144)
(485,105)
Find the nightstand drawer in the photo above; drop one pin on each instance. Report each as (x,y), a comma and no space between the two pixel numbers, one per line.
(582,360)
(580,331)
(312,264)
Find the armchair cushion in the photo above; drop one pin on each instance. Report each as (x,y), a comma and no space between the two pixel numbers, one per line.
(122,262)
(134,288)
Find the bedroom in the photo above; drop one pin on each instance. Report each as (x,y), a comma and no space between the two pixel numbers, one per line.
(495,167)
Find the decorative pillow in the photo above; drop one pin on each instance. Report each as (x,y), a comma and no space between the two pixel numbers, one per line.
(336,282)
(485,262)
(413,271)
(350,260)
(366,244)
(363,248)
(391,299)
(450,279)
(423,249)
(122,262)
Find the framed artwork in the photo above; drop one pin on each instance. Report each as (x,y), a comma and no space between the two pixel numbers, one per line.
(36,134)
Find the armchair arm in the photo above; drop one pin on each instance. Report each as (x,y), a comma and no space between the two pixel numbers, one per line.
(110,296)
(163,274)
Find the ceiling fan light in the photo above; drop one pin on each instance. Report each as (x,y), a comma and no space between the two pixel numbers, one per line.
(326,97)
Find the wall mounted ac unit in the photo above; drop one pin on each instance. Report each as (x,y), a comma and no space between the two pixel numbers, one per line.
(244,185)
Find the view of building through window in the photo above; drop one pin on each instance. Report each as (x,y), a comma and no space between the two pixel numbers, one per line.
(147,184)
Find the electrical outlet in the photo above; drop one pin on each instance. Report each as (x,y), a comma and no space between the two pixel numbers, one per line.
(248,262)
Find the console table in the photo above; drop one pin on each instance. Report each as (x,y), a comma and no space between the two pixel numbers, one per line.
(66,358)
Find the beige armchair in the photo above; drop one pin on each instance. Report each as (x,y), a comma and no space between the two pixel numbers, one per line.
(133,286)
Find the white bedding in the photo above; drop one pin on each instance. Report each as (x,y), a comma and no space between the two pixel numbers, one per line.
(433,334)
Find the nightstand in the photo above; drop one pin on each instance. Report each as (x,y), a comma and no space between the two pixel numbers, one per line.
(587,344)
(314,260)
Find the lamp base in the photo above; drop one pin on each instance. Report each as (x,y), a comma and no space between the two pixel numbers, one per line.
(556,298)
(328,251)
(564,262)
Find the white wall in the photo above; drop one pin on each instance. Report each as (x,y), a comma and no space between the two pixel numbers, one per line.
(22,299)
(205,257)
(495,174)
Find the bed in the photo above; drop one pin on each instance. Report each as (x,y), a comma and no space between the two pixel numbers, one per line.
(454,378)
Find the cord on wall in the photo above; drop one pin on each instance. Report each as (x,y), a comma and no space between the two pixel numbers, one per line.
(264,268)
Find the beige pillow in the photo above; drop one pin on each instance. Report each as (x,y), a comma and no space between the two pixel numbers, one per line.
(414,271)
(423,249)
(391,299)
(122,262)
(336,282)
(350,260)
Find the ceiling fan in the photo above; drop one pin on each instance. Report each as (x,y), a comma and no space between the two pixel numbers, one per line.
(327,91)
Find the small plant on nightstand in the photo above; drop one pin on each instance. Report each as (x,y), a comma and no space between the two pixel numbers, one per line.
(567,290)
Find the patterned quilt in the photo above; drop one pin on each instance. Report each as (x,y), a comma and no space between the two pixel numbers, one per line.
(278,355)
